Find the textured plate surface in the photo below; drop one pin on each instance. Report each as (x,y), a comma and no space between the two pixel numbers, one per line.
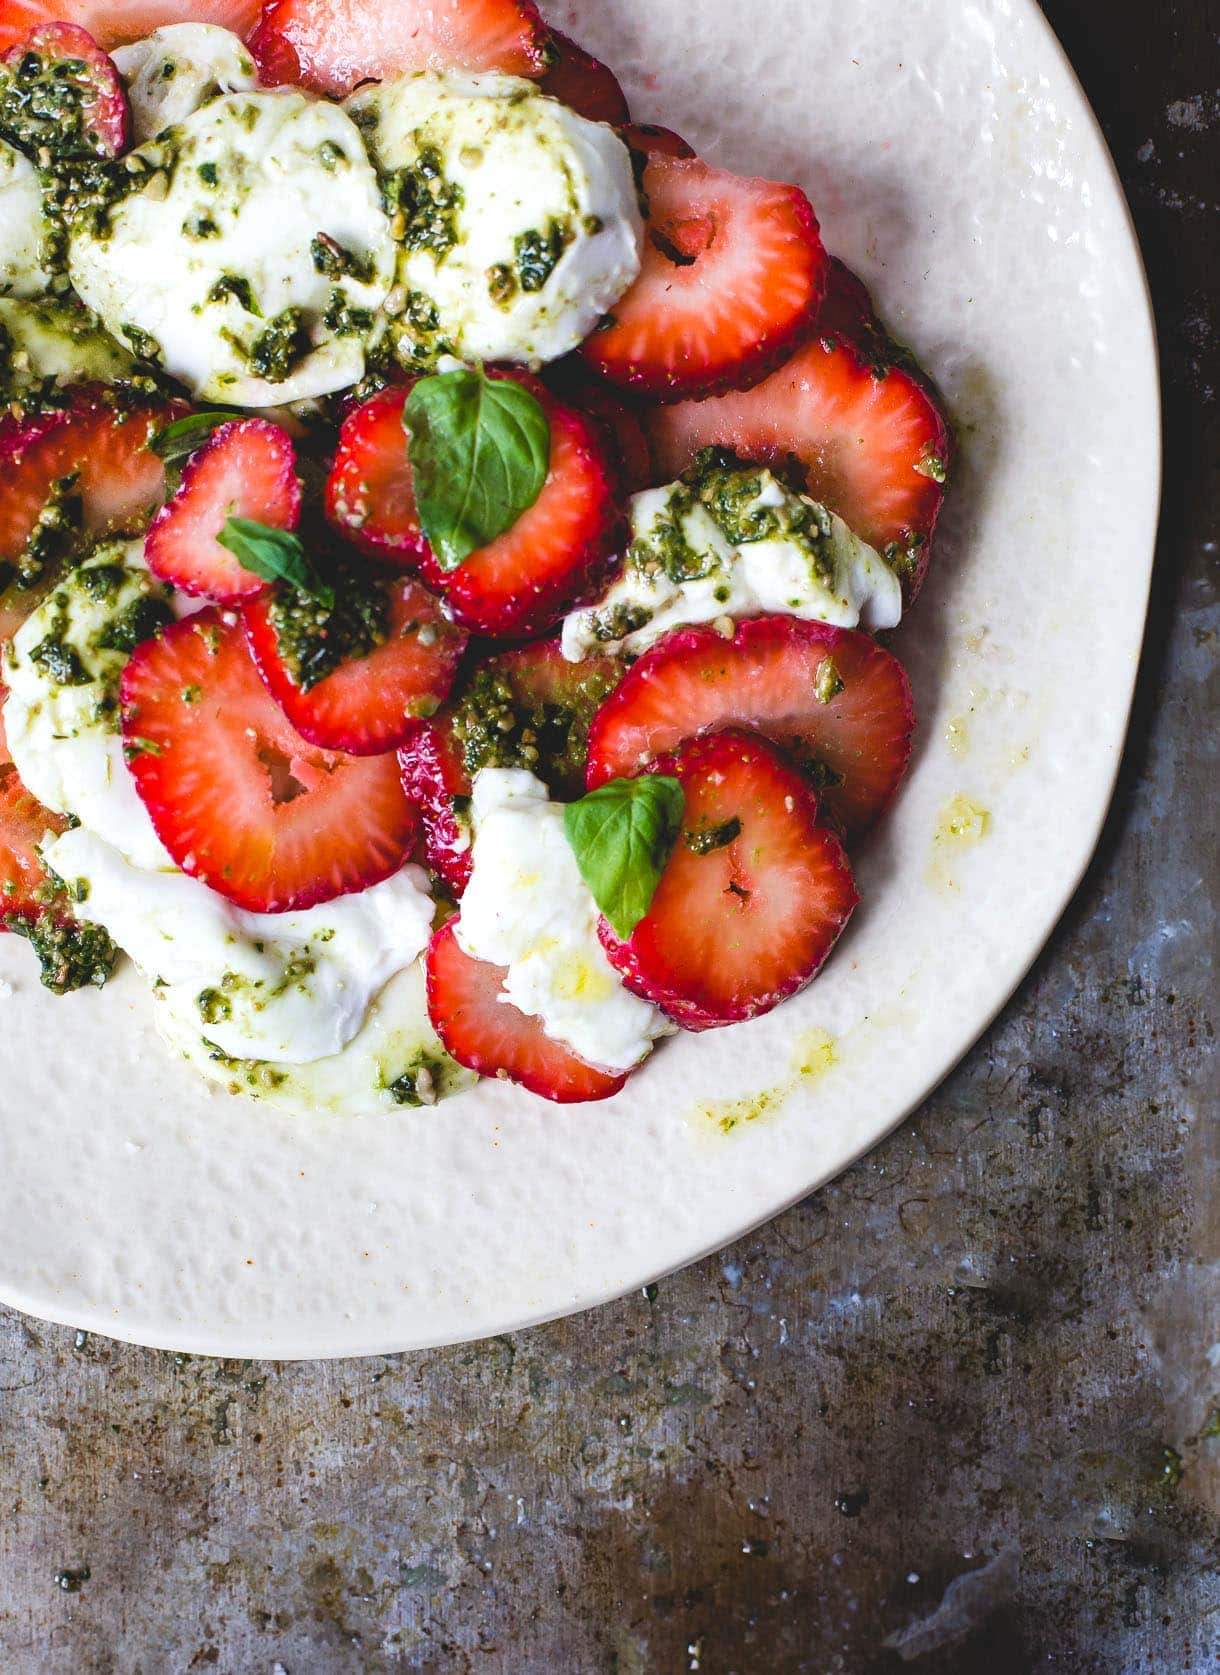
(953,161)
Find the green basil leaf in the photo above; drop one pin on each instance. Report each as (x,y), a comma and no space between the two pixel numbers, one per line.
(480,449)
(180,439)
(622,835)
(276,555)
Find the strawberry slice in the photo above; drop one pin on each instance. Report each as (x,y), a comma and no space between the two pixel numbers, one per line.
(558,550)
(571,381)
(113,23)
(24,823)
(489,1035)
(874,444)
(59,91)
(753,897)
(237,796)
(648,139)
(340,42)
(732,278)
(584,84)
(245,469)
(368,704)
(527,708)
(72,477)
(369,497)
(838,702)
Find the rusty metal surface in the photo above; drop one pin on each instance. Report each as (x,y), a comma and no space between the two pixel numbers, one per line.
(989,1352)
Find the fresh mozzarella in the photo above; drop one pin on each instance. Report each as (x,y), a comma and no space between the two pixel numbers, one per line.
(50,337)
(394,1064)
(22,226)
(251,254)
(526,907)
(279,987)
(732,544)
(517,219)
(178,68)
(63,733)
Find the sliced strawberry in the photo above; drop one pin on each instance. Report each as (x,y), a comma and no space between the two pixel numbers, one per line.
(584,84)
(71,477)
(369,704)
(874,445)
(557,551)
(753,897)
(245,469)
(648,139)
(59,91)
(732,278)
(113,23)
(571,381)
(369,497)
(489,1035)
(237,796)
(838,702)
(340,42)
(24,823)
(278,64)
(526,708)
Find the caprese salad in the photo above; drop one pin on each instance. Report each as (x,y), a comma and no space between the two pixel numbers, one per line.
(443,529)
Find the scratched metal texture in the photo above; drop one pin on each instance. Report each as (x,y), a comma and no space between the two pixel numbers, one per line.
(953,1411)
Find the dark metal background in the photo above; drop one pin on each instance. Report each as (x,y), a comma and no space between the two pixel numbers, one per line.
(989,1350)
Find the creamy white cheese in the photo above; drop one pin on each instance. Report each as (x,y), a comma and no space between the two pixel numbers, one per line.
(64,735)
(279,987)
(23,226)
(176,69)
(695,557)
(254,206)
(526,907)
(393,1065)
(50,337)
(518,219)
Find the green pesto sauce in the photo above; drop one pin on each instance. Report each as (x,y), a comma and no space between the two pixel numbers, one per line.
(238,287)
(54,535)
(333,261)
(423,205)
(421,1083)
(313,641)
(138,621)
(828,682)
(728,488)
(71,955)
(343,319)
(499,724)
(418,342)
(46,105)
(710,838)
(277,349)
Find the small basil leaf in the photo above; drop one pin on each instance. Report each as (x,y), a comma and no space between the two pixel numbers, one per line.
(180,439)
(622,835)
(276,555)
(480,449)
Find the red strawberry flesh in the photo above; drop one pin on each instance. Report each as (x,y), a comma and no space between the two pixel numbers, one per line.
(369,704)
(237,796)
(584,84)
(872,442)
(753,897)
(338,43)
(557,552)
(369,497)
(732,278)
(836,700)
(489,1035)
(246,469)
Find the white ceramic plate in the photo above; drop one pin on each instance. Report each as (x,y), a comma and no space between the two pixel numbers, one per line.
(954,162)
